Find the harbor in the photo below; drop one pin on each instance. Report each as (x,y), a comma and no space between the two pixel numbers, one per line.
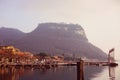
(12,58)
(72,72)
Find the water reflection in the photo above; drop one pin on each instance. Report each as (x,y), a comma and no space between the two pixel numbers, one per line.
(12,73)
(91,72)
(112,73)
(58,73)
(9,74)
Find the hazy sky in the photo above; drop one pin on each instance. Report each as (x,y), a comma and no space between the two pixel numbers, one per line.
(99,18)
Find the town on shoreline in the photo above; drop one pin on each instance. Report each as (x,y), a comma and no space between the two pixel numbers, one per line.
(9,55)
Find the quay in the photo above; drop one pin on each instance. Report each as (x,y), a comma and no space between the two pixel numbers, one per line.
(96,63)
(101,63)
(42,66)
(59,64)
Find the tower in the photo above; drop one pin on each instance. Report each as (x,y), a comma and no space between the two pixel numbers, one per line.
(111,58)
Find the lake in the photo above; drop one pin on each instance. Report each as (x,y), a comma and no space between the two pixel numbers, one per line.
(60,73)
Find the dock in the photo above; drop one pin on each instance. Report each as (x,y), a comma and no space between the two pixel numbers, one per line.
(41,66)
(101,63)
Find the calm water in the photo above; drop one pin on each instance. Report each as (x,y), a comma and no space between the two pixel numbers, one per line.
(60,73)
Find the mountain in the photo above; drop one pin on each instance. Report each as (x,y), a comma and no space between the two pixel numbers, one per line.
(9,35)
(55,38)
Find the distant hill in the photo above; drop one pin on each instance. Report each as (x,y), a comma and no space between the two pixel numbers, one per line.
(53,38)
(9,35)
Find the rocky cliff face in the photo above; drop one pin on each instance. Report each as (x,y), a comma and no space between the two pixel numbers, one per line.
(56,38)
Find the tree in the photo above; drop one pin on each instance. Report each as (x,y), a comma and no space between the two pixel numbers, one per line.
(43,54)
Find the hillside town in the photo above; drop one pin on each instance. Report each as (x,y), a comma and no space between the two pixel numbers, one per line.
(12,56)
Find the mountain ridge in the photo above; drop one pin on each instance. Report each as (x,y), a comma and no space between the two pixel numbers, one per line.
(57,38)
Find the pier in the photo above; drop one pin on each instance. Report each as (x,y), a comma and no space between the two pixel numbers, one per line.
(111,63)
(41,66)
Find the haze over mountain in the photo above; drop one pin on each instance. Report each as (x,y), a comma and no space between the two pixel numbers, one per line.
(53,38)
(9,35)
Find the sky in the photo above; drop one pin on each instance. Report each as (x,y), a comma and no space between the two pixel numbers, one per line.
(99,18)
